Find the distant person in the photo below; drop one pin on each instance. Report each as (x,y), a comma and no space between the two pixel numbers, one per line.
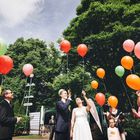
(51,125)
(62,127)
(51,121)
(7,119)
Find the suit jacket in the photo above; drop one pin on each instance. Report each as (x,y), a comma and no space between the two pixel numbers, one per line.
(62,116)
(7,120)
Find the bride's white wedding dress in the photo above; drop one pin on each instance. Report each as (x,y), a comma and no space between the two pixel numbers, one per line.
(81,130)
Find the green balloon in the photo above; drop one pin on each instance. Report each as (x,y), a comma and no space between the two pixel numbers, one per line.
(3,47)
(119,70)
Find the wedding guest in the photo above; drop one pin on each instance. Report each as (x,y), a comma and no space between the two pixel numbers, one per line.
(112,131)
(80,129)
(7,119)
(62,128)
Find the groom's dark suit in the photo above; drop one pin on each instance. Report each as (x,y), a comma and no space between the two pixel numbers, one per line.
(62,128)
(7,121)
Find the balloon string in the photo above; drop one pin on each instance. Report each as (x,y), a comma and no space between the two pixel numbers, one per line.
(131,71)
(1,84)
(133,68)
(95,91)
(67,69)
(2,80)
(83,72)
(128,98)
(104,86)
(23,95)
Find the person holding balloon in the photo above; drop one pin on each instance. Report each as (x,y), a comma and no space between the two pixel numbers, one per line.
(80,129)
(7,118)
(135,113)
(112,131)
(117,115)
(100,99)
(62,127)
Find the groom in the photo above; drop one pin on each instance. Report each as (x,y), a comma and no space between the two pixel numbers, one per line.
(62,128)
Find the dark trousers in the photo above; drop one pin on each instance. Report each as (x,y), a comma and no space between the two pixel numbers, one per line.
(96,133)
(62,136)
(52,132)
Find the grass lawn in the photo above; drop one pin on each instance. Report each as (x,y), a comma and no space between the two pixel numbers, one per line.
(30,137)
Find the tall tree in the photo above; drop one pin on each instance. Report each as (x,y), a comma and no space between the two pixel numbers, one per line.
(103,25)
(46,61)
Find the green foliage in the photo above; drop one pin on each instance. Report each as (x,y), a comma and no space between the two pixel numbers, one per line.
(103,26)
(76,80)
(23,126)
(132,127)
(45,60)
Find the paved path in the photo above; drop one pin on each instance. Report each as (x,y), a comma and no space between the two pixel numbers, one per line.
(29,139)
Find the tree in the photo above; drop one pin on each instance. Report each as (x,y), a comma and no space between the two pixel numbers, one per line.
(103,26)
(45,60)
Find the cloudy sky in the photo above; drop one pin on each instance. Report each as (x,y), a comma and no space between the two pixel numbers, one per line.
(44,19)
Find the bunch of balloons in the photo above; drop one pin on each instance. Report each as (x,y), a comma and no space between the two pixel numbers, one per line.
(132,80)
(112,100)
(65,46)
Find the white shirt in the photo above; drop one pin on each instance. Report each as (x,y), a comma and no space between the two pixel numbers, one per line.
(7,101)
(113,133)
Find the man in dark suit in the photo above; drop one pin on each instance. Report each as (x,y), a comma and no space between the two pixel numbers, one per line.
(7,119)
(62,128)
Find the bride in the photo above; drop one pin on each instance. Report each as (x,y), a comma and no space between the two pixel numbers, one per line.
(80,129)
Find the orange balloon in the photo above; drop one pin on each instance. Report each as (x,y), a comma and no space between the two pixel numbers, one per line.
(82,50)
(65,46)
(127,62)
(100,99)
(133,81)
(113,101)
(94,84)
(100,73)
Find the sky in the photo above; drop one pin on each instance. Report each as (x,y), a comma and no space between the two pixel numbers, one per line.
(43,19)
